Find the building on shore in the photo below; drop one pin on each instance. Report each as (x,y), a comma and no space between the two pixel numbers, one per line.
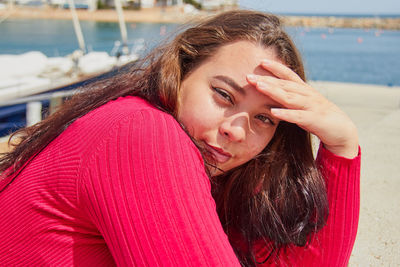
(94,4)
(217,4)
(137,4)
(205,4)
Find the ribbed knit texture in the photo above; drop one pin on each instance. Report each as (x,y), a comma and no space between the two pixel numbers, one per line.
(124,185)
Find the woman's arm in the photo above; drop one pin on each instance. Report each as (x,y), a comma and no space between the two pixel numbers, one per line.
(145,189)
(332,245)
(338,158)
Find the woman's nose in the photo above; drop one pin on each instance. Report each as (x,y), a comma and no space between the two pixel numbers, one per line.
(234,128)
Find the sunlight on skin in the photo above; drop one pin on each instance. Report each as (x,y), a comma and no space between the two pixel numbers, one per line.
(221,109)
(233,102)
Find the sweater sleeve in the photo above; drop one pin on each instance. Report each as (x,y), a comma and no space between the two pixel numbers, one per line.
(145,189)
(332,245)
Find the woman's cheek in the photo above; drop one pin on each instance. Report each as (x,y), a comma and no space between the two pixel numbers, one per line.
(256,147)
(254,152)
(197,124)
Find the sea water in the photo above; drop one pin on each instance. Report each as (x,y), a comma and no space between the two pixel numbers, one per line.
(332,54)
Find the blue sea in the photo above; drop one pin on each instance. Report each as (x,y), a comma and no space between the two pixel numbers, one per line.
(332,54)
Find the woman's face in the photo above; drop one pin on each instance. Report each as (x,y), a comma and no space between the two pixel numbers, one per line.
(221,109)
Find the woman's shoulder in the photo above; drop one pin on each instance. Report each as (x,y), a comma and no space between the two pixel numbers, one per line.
(113,117)
(123,106)
(112,113)
(130,128)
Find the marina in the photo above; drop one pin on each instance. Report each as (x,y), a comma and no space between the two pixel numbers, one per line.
(32,73)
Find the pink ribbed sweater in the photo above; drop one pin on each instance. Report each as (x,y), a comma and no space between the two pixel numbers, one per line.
(124,185)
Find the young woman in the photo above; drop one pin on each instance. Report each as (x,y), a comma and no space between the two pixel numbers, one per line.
(116,177)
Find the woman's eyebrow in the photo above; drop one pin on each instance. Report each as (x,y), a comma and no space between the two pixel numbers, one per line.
(231,83)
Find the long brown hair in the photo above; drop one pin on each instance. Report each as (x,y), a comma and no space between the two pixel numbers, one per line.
(278,197)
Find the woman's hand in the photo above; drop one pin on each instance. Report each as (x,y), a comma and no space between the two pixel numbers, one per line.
(306,107)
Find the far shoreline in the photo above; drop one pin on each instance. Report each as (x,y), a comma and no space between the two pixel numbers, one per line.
(175,14)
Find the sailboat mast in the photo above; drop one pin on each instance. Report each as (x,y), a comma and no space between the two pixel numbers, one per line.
(77,26)
(122,26)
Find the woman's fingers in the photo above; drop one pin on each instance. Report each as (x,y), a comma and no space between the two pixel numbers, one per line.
(287,99)
(289,94)
(290,115)
(287,85)
(281,71)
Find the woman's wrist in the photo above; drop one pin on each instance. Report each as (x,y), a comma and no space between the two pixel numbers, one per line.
(350,151)
(347,149)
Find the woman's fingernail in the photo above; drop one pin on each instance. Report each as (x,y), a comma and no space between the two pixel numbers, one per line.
(252,77)
(276,111)
(262,85)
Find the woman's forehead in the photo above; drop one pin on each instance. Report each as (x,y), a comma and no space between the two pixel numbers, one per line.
(245,50)
(239,59)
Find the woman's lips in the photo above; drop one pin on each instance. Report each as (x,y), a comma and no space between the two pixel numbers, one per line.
(219,154)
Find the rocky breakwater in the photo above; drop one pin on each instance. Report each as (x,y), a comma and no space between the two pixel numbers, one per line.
(343,22)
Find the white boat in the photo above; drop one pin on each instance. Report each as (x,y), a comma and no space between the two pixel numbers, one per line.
(33,72)
(23,77)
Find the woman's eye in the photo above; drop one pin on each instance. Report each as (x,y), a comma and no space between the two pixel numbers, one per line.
(264,119)
(223,94)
